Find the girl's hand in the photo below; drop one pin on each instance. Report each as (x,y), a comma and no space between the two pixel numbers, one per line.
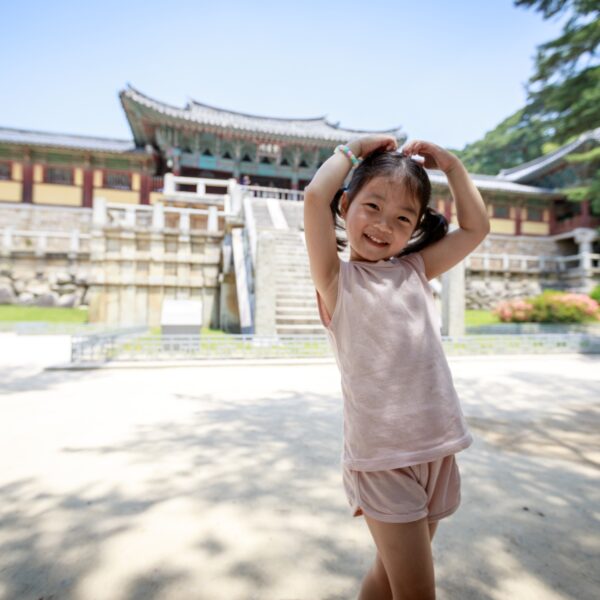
(369,143)
(435,156)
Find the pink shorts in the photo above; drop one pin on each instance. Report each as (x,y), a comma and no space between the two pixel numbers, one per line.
(430,489)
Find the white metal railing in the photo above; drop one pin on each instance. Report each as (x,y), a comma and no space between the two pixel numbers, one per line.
(139,345)
(527,263)
(15,240)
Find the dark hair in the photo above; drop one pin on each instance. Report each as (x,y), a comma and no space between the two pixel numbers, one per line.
(431,225)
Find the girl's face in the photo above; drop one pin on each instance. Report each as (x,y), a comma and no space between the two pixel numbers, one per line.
(383,210)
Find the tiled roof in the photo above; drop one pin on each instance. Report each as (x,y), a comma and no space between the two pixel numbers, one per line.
(538,166)
(497,183)
(195,112)
(65,140)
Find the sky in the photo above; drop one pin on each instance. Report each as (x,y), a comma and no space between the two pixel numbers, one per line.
(443,71)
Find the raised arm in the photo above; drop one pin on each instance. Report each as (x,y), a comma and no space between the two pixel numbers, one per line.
(319,230)
(473,221)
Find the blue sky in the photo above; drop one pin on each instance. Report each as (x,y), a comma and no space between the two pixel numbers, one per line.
(444,71)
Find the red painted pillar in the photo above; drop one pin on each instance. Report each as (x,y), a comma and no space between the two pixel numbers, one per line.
(145,189)
(88,188)
(27,189)
(518,210)
(585,213)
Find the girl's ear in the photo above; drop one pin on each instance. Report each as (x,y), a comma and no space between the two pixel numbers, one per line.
(343,201)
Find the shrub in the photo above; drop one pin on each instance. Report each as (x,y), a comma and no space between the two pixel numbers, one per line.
(595,294)
(514,311)
(559,307)
(551,306)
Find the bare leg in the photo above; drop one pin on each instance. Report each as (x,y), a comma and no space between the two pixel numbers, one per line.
(376,585)
(405,551)
(432,527)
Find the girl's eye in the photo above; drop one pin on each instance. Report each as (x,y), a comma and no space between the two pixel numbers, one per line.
(371,204)
(404,219)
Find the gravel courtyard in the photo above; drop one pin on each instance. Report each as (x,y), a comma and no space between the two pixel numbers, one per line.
(224,482)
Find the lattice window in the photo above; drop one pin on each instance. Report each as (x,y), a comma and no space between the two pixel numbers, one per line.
(60,175)
(5,170)
(501,211)
(535,214)
(117,180)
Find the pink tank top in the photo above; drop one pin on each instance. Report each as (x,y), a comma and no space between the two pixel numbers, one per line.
(400,405)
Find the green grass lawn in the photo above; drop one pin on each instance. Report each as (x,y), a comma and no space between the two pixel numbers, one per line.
(75,315)
(38,313)
(480,317)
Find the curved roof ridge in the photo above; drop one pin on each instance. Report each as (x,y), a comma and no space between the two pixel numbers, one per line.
(130,90)
(81,136)
(202,113)
(526,167)
(243,114)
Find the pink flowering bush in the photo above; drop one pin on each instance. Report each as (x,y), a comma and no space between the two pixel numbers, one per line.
(551,306)
(514,311)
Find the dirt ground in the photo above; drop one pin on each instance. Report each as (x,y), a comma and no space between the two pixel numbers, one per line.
(224,482)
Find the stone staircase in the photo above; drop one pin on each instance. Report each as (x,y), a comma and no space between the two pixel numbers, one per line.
(295,303)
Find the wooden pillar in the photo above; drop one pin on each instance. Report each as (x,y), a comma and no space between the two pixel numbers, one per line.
(27,189)
(585,213)
(145,184)
(88,187)
(518,210)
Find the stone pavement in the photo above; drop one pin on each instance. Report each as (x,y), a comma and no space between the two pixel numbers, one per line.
(224,483)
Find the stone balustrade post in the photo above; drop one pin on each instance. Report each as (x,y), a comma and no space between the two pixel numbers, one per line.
(158,217)
(7,241)
(184,222)
(74,245)
(41,245)
(99,213)
(213,219)
(169,183)
(130,216)
(234,191)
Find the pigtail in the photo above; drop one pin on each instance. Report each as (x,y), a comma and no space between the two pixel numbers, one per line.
(432,227)
(341,242)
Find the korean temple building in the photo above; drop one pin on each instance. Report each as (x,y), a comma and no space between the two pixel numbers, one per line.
(175,160)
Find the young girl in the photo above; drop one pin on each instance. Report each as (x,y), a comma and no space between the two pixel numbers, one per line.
(403,421)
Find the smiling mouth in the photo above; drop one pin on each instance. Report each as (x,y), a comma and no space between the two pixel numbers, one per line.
(375,242)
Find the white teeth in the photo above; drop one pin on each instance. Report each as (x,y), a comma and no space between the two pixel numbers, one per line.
(375,239)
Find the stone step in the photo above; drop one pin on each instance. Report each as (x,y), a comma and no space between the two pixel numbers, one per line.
(301,291)
(297,311)
(296,320)
(284,297)
(290,278)
(306,329)
(298,304)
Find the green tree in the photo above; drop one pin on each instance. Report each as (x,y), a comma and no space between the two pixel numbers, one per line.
(516,140)
(564,91)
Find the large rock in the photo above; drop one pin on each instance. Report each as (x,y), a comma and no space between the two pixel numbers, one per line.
(48,299)
(67,301)
(7,296)
(25,299)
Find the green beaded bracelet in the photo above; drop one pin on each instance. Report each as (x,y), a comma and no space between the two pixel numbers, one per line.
(343,148)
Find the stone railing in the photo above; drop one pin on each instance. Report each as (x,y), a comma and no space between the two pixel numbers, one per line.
(41,243)
(228,195)
(158,216)
(523,263)
(270,192)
